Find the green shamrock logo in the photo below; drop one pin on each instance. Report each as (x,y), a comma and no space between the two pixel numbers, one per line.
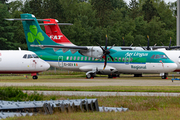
(34,35)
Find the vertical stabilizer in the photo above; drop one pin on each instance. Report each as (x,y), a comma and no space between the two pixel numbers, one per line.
(34,34)
(54,32)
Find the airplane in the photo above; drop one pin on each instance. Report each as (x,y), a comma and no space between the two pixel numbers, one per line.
(21,62)
(83,58)
(53,30)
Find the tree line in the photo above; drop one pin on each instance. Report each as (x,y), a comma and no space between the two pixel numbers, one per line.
(92,20)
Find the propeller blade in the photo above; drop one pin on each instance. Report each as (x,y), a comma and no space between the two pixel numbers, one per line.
(148,43)
(131,45)
(170,44)
(105,62)
(101,47)
(142,47)
(123,41)
(106,43)
(111,47)
(111,58)
(162,43)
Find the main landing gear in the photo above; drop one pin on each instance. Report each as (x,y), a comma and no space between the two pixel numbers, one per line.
(113,75)
(164,76)
(90,75)
(137,75)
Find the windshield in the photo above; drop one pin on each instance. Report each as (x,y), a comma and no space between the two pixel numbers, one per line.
(35,56)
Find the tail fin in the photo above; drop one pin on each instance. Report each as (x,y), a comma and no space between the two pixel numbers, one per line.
(54,32)
(34,34)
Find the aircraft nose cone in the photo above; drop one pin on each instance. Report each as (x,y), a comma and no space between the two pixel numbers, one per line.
(46,66)
(172,67)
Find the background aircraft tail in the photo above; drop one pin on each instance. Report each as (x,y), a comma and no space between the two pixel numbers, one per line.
(34,34)
(54,32)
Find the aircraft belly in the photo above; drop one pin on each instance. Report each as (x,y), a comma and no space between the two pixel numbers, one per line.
(144,68)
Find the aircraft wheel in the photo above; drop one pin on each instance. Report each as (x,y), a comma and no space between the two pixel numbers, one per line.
(88,76)
(110,76)
(137,75)
(35,77)
(164,76)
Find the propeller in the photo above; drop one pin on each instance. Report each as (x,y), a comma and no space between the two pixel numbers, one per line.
(123,41)
(169,44)
(162,43)
(106,52)
(148,43)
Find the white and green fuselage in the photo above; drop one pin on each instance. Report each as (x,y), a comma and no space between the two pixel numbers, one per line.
(125,61)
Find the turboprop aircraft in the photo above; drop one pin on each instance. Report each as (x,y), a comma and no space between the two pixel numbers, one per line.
(82,58)
(21,62)
(53,30)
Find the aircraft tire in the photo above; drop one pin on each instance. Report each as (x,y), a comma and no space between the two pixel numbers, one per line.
(110,76)
(88,76)
(137,75)
(164,76)
(35,77)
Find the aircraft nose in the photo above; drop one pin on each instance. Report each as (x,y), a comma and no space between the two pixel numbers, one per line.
(46,66)
(173,66)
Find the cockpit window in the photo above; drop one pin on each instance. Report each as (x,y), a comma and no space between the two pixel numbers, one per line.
(157,57)
(153,56)
(163,56)
(25,56)
(35,56)
(29,56)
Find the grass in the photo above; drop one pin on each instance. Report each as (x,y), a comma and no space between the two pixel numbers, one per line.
(175,89)
(140,108)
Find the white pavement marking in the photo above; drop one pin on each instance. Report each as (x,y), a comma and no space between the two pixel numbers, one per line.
(84,93)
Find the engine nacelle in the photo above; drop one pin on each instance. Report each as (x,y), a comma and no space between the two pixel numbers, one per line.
(95,52)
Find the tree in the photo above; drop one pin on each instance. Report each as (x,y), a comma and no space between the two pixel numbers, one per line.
(6,36)
(134,9)
(149,10)
(103,9)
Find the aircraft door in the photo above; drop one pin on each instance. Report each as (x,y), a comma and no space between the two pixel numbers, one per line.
(60,61)
(127,60)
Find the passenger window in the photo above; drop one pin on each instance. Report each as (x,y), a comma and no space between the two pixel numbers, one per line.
(127,59)
(85,58)
(78,58)
(89,58)
(30,56)
(25,56)
(123,59)
(75,58)
(71,58)
(67,58)
(35,56)
(131,59)
(108,58)
(115,58)
(157,57)
(153,56)
(92,58)
(119,59)
(81,58)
